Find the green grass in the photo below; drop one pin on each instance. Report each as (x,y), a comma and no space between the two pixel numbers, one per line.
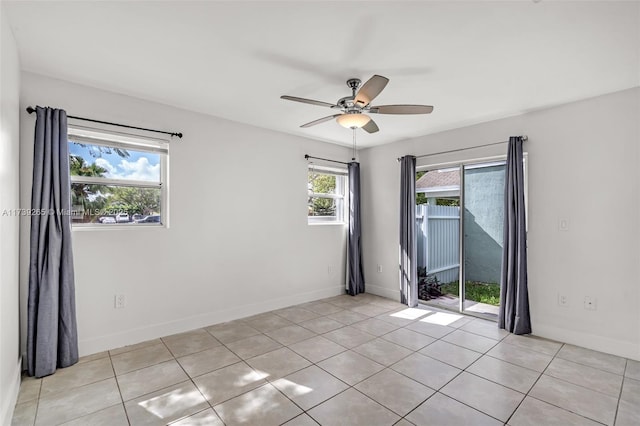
(488,293)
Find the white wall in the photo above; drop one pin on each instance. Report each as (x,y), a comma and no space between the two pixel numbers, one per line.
(584,166)
(238,242)
(9,225)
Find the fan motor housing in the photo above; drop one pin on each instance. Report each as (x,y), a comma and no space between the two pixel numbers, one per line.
(346,102)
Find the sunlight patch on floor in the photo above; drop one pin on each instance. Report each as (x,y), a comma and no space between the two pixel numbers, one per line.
(291,388)
(244,407)
(410,313)
(442,318)
(251,377)
(164,406)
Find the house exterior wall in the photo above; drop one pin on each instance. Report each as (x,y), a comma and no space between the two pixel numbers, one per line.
(483,223)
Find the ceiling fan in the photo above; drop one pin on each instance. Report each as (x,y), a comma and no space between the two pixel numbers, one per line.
(356,107)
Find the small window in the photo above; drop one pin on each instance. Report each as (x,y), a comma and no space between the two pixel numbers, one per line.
(327,195)
(117,179)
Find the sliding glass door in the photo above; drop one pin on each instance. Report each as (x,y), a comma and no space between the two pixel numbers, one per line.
(459,221)
(482,227)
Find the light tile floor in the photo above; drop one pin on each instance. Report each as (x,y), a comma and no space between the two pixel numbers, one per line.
(345,360)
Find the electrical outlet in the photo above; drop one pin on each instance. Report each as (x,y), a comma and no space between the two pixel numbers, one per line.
(120,301)
(379,268)
(590,303)
(563,300)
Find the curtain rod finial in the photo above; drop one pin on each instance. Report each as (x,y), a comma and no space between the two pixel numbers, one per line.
(524,138)
(31,109)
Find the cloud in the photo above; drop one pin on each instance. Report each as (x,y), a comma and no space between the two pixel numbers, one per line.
(105,164)
(140,169)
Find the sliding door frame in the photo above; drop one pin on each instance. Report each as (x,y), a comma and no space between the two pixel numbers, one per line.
(461,164)
(461,270)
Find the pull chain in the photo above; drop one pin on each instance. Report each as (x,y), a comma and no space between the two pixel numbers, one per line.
(354,144)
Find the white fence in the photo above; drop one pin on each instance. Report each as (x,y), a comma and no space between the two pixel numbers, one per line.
(438,234)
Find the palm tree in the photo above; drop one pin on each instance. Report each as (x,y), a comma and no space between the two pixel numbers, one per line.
(81,191)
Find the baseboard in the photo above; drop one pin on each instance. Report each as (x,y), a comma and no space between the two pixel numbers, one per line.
(590,341)
(10,395)
(382,291)
(148,332)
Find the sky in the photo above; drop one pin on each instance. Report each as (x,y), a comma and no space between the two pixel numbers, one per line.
(144,166)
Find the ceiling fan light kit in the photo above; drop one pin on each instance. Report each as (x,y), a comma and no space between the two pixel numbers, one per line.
(355,106)
(354,120)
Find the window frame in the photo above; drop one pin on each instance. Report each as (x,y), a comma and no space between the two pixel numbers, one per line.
(342,200)
(113,139)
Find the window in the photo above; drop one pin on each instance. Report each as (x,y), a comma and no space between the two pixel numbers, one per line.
(117,179)
(327,193)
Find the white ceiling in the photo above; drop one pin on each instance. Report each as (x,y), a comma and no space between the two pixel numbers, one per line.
(474,61)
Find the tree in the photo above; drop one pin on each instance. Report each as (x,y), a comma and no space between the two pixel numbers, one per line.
(322,184)
(134,200)
(421,198)
(96,151)
(454,202)
(89,196)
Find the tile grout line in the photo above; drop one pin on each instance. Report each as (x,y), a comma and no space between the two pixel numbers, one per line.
(591,366)
(35,417)
(115,377)
(587,388)
(615,417)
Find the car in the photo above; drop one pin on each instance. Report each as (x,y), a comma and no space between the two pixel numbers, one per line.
(107,219)
(122,217)
(137,217)
(150,219)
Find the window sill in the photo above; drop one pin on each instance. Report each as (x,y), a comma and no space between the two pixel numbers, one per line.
(327,223)
(115,227)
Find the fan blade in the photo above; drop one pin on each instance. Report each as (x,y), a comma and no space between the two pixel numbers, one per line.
(370,90)
(401,109)
(306,101)
(321,120)
(371,127)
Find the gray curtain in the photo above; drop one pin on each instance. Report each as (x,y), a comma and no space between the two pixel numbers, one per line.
(514,296)
(52,338)
(356,276)
(408,247)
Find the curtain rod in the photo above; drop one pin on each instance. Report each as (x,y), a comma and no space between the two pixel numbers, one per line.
(307,156)
(31,110)
(524,139)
